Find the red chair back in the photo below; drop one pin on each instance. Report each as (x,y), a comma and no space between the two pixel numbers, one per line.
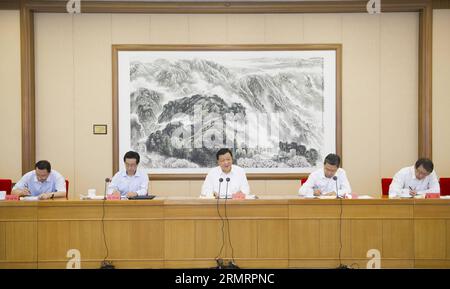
(6,185)
(303,180)
(67,189)
(385,183)
(445,186)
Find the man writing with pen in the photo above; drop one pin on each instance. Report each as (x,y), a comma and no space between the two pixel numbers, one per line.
(325,181)
(43,182)
(129,182)
(415,180)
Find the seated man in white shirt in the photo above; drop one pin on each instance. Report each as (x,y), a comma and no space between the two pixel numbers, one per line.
(323,182)
(226,175)
(129,182)
(415,180)
(43,182)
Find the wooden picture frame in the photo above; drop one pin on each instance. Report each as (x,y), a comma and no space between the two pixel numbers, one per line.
(332,102)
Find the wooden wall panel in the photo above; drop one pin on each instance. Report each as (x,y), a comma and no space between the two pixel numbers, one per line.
(187,233)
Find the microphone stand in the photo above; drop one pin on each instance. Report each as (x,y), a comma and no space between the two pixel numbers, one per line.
(219,261)
(341,266)
(231,264)
(105,264)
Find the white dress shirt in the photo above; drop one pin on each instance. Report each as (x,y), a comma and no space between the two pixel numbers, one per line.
(238,182)
(318,181)
(405,180)
(124,183)
(55,182)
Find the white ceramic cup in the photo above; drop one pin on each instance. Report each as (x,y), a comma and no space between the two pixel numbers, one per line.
(2,195)
(92,192)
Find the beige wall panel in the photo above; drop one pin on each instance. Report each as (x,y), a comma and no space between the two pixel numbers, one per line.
(361,101)
(441,91)
(246,29)
(169,29)
(130,29)
(284,28)
(370,45)
(55,93)
(195,188)
(169,188)
(399,92)
(10,99)
(322,28)
(207,29)
(92,104)
(258,187)
(288,187)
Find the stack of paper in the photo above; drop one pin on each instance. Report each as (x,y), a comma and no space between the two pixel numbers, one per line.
(365,197)
(86,197)
(29,198)
(327,197)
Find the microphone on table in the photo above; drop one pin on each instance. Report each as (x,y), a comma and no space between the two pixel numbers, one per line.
(107,181)
(220,184)
(337,188)
(226,194)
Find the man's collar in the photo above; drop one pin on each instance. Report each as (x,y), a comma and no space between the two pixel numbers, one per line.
(35,179)
(136,174)
(322,174)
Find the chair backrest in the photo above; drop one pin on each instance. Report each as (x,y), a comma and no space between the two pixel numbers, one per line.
(445,186)
(6,185)
(385,183)
(67,189)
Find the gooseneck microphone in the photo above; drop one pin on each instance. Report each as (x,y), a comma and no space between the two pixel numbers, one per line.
(228,181)
(337,188)
(107,181)
(220,184)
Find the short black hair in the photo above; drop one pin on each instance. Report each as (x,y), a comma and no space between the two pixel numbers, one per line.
(43,165)
(427,164)
(132,155)
(223,152)
(332,159)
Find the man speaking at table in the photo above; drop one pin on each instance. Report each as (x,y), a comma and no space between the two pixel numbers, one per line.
(227,179)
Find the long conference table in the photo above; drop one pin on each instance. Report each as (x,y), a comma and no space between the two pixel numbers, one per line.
(187,233)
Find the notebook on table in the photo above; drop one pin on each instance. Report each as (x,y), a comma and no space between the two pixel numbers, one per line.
(146,197)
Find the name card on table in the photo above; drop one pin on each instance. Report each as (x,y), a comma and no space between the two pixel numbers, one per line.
(12,197)
(113,198)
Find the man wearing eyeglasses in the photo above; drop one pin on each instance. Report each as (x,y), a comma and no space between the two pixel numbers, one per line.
(415,180)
